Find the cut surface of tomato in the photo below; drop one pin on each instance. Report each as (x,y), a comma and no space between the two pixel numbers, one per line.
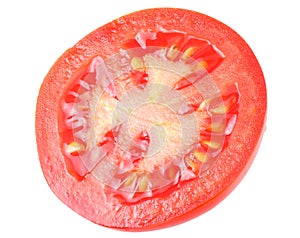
(148,122)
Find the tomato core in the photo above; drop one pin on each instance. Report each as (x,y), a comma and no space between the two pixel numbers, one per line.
(148,117)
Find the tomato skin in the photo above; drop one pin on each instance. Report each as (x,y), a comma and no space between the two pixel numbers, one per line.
(192,198)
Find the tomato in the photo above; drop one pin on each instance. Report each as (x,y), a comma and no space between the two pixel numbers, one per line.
(150,120)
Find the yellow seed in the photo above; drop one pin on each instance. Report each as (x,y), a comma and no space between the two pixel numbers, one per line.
(84,108)
(203,105)
(193,165)
(143,186)
(219,110)
(200,65)
(188,53)
(74,147)
(173,52)
(212,144)
(204,64)
(130,179)
(200,156)
(218,127)
(137,63)
(172,172)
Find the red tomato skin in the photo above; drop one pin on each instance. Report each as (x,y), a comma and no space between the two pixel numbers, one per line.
(192,198)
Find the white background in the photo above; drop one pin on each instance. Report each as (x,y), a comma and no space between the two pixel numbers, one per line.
(33,34)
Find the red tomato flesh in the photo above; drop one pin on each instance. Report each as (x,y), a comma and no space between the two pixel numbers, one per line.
(150,120)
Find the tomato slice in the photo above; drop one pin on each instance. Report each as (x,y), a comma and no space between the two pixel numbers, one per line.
(150,120)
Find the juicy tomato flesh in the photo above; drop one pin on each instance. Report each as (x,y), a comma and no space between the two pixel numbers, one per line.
(150,120)
(147,150)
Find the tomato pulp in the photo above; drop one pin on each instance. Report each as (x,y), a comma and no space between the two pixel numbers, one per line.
(150,120)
